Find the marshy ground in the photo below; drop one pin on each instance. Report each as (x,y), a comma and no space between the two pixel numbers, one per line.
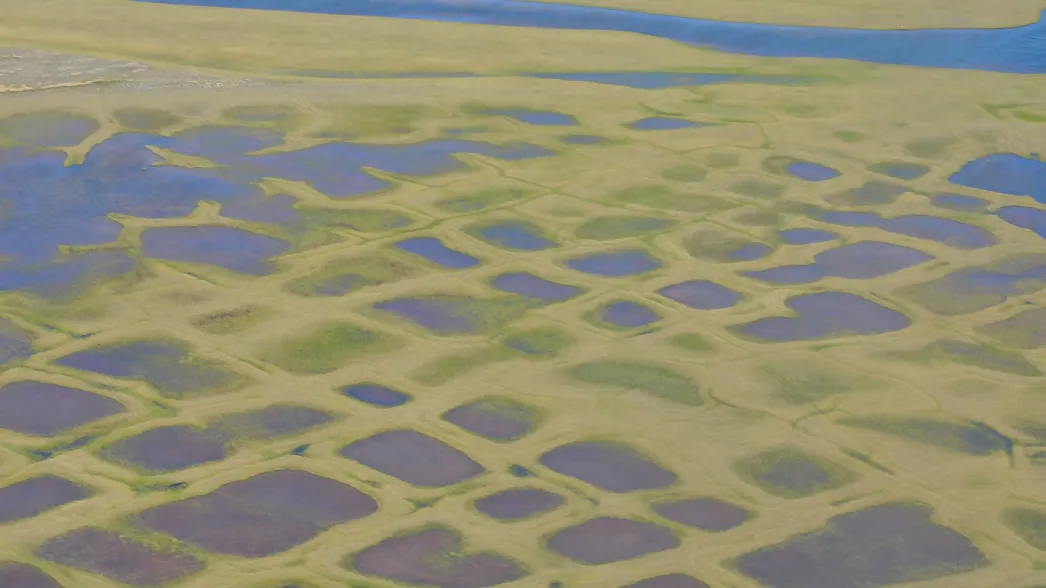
(271,316)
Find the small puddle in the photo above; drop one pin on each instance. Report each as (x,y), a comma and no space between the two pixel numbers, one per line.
(435,251)
(611,466)
(1005,173)
(414,458)
(615,264)
(168,449)
(826,314)
(443,316)
(583,139)
(376,395)
(750,252)
(811,172)
(701,294)
(943,230)
(28,498)
(606,540)
(167,365)
(859,261)
(434,555)
(663,123)
(706,514)
(518,503)
(226,247)
(533,117)
(1032,219)
(531,286)
(43,409)
(920,226)
(496,418)
(627,315)
(959,202)
(806,236)
(880,545)
(521,236)
(336,168)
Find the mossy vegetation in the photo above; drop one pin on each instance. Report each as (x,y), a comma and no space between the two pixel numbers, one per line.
(1029,524)
(653,379)
(342,276)
(234,320)
(481,200)
(962,437)
(975,354)
(789,472)
(327,348)
(609,228)
(693,342)
(540,343)
(363,220)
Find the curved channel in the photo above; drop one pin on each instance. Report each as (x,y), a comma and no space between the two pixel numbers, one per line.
(1010,50)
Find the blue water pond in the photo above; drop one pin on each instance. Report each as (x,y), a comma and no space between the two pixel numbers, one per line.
(226,247)
(806,236)
(627,314)
(435,251)
(701,294)
(826,314)
(615,264)
(1005,173)
(663,123)
(811,172)
(1011,50)
(920,226)
(530,286)
(863,260)
(533,117)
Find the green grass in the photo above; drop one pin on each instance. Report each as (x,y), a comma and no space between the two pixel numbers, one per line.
(229,321)
(363,220)
(145,119)
(541,343)
(1025,330)
(805,386)
(608,228)
(714,245)
(1028,524)
(966,438)
(467,314)
(260,113)
(1026,116)
(662,197)
(929,148)
(347,275)
(650,378)
(449,367)
(756,188)
(481,200)
(686,173)
(974,354)
(363,121)
(326,349)
(789,472)
(690,342)
(526,226)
